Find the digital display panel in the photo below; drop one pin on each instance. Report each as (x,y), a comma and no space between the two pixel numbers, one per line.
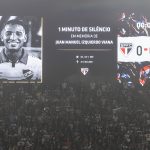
(133,48)
(92,40)
(21,48)
(83,44)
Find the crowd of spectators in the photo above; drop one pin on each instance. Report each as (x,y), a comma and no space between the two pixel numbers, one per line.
(91,116)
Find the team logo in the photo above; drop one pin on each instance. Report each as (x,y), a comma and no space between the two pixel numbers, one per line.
(126,48)
(84,71)
(28,74)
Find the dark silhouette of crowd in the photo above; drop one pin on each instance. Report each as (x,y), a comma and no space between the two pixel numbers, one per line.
(91,116)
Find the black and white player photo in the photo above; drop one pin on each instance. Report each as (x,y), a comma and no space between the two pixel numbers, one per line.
(20,48)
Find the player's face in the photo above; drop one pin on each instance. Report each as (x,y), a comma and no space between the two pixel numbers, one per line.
(13,37)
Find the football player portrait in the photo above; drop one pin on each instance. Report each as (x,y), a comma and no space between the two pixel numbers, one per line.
(15,61)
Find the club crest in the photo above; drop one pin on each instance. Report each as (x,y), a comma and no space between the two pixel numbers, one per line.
(126,48)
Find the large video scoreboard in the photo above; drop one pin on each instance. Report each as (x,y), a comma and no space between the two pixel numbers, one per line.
(133,48)
(77,40)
